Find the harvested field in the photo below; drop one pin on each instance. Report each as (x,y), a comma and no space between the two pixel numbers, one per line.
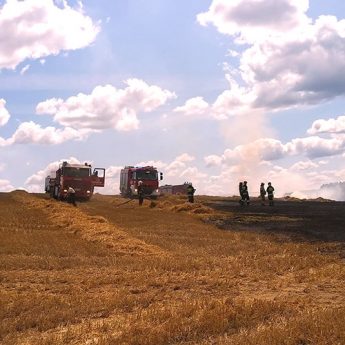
(109,272)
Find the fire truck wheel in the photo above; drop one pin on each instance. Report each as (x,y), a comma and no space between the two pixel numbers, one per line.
(56,194)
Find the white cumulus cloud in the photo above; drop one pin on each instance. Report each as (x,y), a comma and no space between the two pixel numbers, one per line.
(33,133)
(178,165)
(4,114)
(304,165)
(314,147)
(328,126)
(264,149)
(157,164)
(213,160)
(34,29)
(252,154)
(289,59)
(106,106)
(193,106)
(251,20)
(299,69)
(5,186)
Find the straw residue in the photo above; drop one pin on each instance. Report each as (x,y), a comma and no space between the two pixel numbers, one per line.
(91,228)
(195,208)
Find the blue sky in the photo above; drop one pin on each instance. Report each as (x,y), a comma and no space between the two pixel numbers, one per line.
(212,91)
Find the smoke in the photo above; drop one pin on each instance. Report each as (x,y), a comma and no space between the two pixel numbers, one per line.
(332,191)
(246,128)
(242,130)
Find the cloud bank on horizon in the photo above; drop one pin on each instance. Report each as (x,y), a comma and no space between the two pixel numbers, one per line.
(278,61)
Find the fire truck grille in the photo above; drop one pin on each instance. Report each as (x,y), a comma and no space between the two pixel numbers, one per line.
(148,189)
(80,185)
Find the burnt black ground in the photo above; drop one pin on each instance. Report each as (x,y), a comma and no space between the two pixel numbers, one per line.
(302,220)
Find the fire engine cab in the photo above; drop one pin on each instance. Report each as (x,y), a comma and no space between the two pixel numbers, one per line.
(130,176)
(78,176)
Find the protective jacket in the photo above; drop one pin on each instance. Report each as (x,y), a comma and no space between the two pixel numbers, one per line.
(244,190)
(270,190)
(190,190)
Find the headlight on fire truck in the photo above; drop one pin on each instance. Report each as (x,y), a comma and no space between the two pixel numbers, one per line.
(88,192)
(65,190)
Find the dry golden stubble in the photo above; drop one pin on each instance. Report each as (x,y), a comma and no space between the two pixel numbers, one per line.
(213,287)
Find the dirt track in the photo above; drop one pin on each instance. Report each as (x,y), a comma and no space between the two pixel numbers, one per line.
(211,273)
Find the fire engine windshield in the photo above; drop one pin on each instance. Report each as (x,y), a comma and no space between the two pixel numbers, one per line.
(146,175)
(76,172)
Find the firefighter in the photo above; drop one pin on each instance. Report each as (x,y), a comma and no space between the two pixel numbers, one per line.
(245,193)
(240,186)
(262,193)
(140,192)
(71,196)
(190,192)
(240,189)
(270,190)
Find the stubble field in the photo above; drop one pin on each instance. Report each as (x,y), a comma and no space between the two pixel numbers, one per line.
(176,273)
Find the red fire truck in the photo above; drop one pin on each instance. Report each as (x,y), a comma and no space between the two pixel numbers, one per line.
(78,176)
(130,176)
(180,189)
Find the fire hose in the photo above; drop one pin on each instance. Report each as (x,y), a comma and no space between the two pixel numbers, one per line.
(127,201)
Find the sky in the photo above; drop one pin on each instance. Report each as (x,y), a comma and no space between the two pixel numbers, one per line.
(209,91)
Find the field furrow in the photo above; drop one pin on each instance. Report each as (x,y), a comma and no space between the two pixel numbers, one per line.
(113,273)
